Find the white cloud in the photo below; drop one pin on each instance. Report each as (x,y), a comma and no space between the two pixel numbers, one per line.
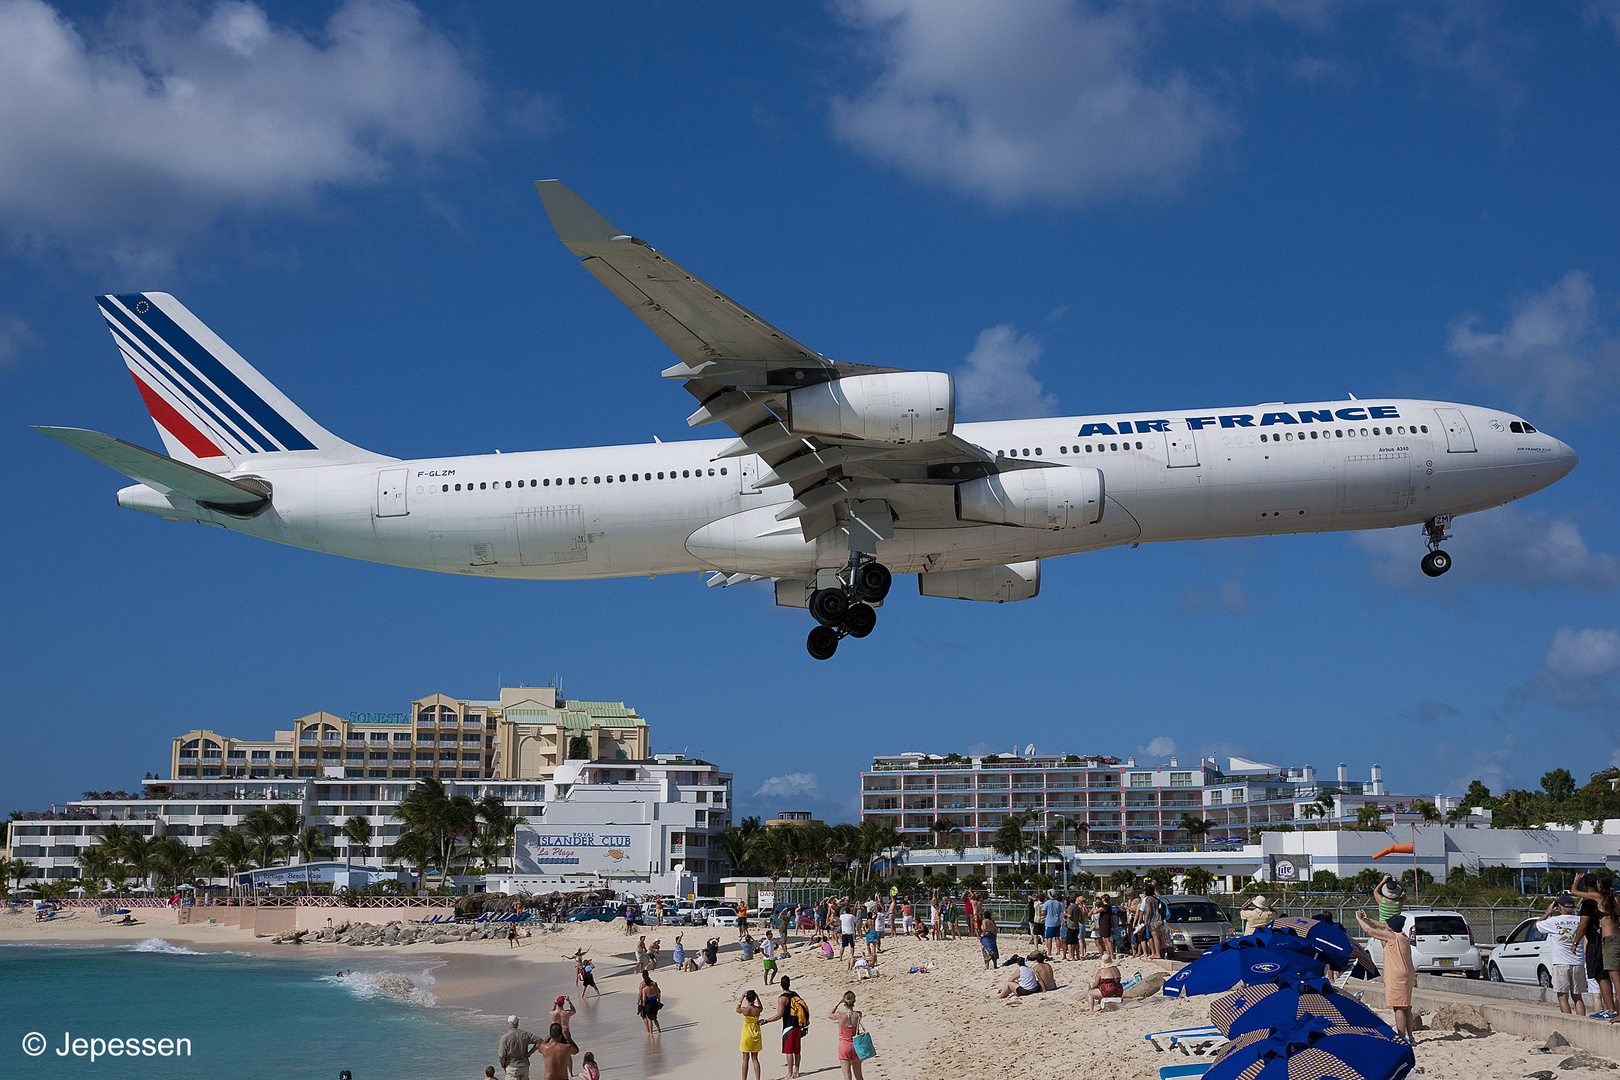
(1506,545)
(997,380)
(170,114)
(1465,40)
(1163,746)
(791,786)
(1050,100)
(1229,596)
(1575,670)
(15,336)
(1553,357)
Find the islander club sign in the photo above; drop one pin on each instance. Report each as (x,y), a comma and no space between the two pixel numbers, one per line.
(555,852)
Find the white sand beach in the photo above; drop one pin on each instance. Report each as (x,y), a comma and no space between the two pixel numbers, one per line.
(939,1025)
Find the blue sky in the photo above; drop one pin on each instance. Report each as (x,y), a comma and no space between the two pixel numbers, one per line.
(1086,207)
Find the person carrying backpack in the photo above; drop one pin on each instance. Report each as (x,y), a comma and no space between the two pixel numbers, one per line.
(795,1016)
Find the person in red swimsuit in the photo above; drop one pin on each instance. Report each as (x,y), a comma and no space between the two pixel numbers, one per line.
(849,1023)
(1107,985)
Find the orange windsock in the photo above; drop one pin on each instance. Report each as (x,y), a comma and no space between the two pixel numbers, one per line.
(1395,849)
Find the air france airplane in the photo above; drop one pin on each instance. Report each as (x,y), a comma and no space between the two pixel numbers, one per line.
(837,475)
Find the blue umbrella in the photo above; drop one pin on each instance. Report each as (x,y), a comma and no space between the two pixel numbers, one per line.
(1286,1004)
(1315,1050)
(1244,960)
(1328,940)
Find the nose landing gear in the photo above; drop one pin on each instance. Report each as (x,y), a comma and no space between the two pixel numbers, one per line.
(1436,562)
(846,610)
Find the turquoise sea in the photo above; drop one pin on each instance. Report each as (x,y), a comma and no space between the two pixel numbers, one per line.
(246,1016)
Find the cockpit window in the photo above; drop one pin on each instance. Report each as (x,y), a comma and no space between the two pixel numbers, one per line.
(1529,430)
(1516,427)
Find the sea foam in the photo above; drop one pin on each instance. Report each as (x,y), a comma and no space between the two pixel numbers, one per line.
(389,984)
(158,945)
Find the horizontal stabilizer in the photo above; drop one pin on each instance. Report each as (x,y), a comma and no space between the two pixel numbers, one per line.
(162,473)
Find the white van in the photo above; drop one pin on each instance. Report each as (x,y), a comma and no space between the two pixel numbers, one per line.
(1441,942)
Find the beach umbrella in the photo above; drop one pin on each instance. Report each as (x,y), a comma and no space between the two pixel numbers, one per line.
(1315,1050)
(1245,960)
(1286,1004)
(1328,940)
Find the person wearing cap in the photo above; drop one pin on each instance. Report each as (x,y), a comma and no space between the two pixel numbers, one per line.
(562,1011)
(1389,893)
(1565,953)
(1399,974)
(515,1048)
(1255,913)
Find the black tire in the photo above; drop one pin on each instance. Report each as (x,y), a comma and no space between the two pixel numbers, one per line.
(1544,978)
(823,642)
(1494,974)
(873,581)
(829,606)
(1436,563)
(859,620)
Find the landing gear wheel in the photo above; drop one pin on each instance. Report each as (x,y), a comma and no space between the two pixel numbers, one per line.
(872,582)
(860,620)
(1436,563)
(829,606)
(823,642)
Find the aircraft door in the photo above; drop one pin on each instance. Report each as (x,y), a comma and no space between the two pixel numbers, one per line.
(747,473)
(391,500)
(1181,445)
(1459,436)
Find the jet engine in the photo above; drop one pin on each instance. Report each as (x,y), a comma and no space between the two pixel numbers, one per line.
(1065,497)
(902,407)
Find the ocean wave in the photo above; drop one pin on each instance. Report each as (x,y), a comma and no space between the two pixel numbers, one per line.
(389,984)
(158,945)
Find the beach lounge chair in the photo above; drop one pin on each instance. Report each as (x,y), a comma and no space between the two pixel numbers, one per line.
(1177,1072)
(1185,1039)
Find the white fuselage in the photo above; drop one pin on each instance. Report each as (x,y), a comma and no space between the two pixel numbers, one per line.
(662,508)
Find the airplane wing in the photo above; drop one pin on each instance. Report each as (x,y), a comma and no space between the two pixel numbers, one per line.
(740,368)
(163,473)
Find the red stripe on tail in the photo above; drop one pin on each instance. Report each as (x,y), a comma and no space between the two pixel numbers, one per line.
(175,424)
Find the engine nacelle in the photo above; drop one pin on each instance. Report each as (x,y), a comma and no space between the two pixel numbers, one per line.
(1065,497)
(993,584)
(902,407)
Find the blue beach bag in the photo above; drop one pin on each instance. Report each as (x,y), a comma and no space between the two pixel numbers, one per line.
(863,1046)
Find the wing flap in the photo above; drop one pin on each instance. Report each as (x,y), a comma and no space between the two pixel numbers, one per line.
(161,473)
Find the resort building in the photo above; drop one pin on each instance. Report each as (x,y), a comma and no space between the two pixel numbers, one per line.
(525,733)
(1103,803)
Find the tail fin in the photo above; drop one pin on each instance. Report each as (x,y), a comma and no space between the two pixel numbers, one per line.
(212,409)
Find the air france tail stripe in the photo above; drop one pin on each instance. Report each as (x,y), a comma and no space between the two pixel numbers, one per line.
(155,361)
(152,380)
(208,365)
(175,424)
(159,375)
(256,439)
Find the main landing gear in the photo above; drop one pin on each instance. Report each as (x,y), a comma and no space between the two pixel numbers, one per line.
(845,610)
(1436,562)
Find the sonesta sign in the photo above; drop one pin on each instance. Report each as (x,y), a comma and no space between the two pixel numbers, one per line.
(1245,420)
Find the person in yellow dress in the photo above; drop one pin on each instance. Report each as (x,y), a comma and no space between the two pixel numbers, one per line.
(752,1042)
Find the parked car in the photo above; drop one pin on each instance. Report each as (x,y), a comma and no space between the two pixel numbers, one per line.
(594,913)
(1518,956)
(723,916)
(1195,923)
(1441,942)
(685,915)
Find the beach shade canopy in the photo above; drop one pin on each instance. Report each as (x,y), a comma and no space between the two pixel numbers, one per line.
(1288,1003)
(1315,1050)
(1245,960)
(1330,941)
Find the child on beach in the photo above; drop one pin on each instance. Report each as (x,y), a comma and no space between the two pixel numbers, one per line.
(587,1067)
(767,950)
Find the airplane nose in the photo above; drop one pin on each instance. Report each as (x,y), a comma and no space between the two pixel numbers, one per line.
(1567,456)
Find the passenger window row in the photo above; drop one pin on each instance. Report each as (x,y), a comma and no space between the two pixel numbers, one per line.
(634,478)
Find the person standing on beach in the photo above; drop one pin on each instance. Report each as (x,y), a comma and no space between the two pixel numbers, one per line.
(1398,971)
(1074,921)
(1051,920)
(648,1001)
(558,1054)
(587,978)
(561,1013)
(752,1042)
(1255,913)
(1564,953)
(680,954)
(511,937)
(846,934)
(513,1053)
(987,939)
(1390,893)
(652,954)
(629,919)
(849,1025)
(794,1013)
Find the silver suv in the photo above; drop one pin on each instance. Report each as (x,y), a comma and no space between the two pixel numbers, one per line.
(1195,923)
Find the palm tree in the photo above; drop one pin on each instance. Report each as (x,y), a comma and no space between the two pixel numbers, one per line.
(1324,805)
(737,846)
(430,809)
(1198,880)
(1010,839)
(498,829)
(1426,810)
(262,833)
(1197,828)
(311,844)
(357,830)
(1369,816)
(233,849)
(414,849)
(95,866)
(289,823)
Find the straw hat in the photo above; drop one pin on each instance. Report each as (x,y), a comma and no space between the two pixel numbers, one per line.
(1262,903)
(1391,890)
